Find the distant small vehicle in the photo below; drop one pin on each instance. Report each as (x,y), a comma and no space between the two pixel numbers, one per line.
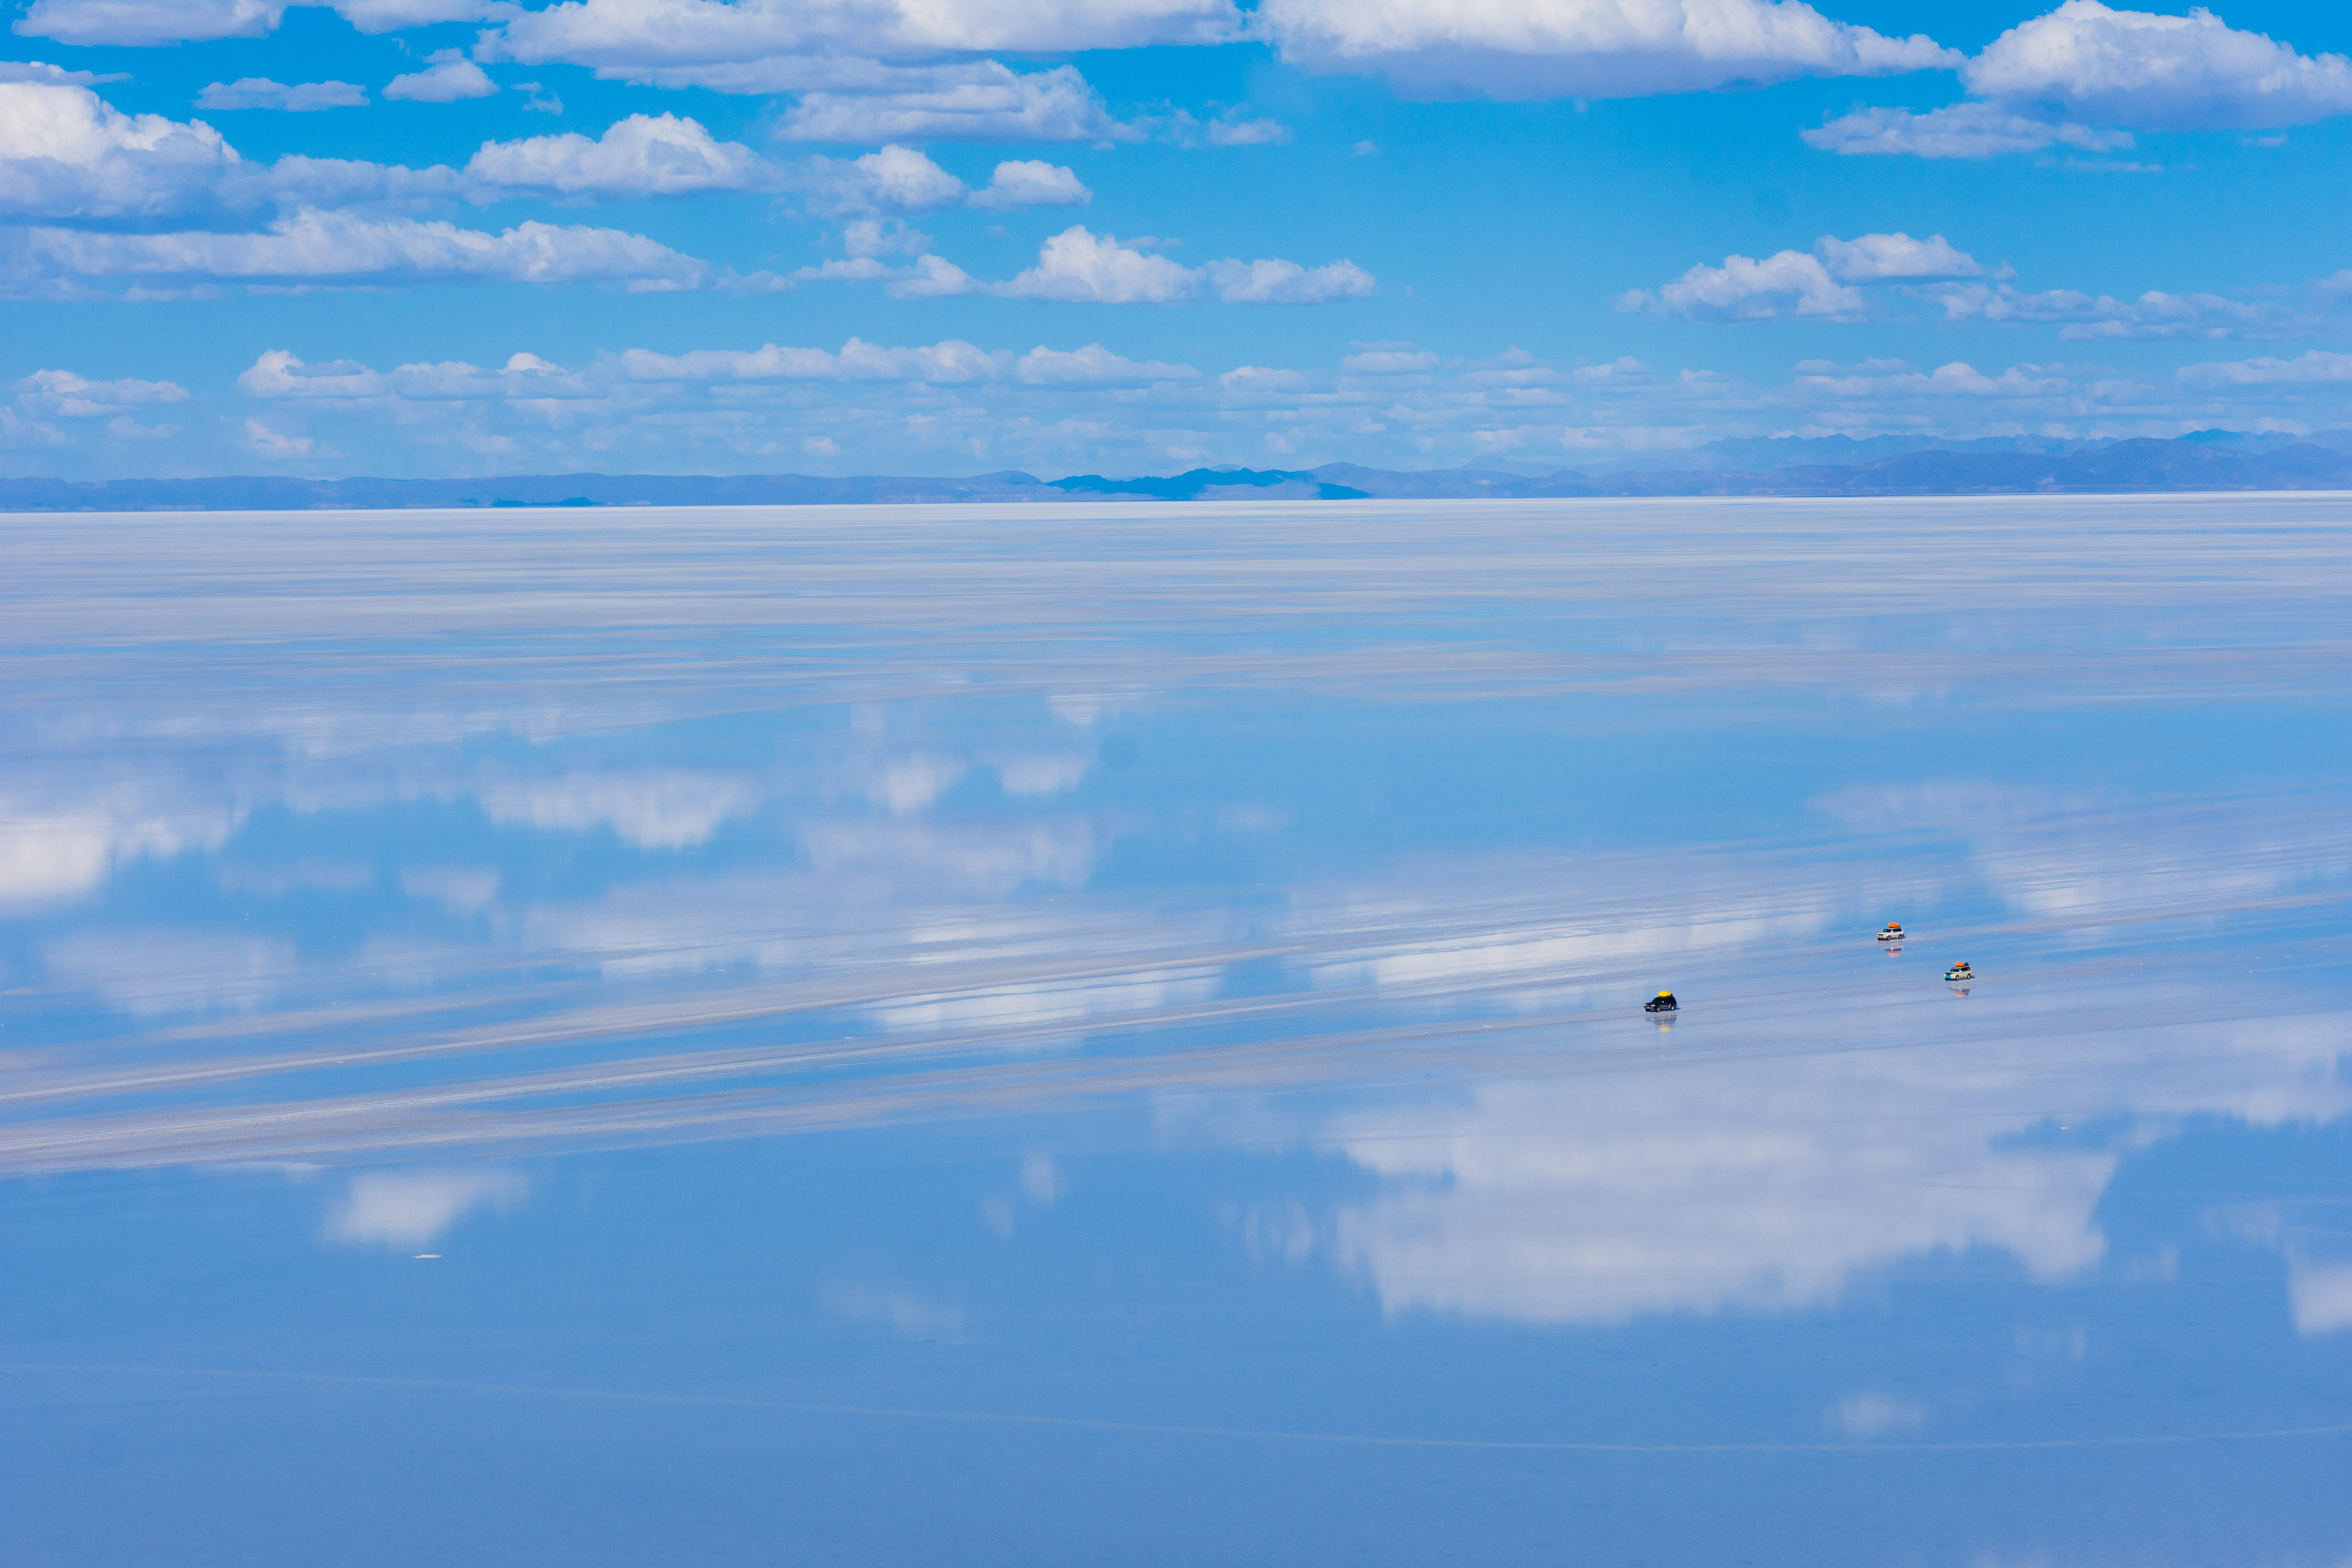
(1960,971)
(1664,1002)
(1894,931)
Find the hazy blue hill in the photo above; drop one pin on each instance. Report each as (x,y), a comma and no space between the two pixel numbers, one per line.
(2118,466)
(1434,484)
(2207,460)
(1216,484)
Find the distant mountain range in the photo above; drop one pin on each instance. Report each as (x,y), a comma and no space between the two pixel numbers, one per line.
(1878,466)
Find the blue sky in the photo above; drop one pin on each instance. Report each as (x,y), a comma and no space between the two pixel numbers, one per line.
(455,237)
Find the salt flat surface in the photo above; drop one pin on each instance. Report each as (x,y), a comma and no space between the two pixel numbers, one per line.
(1114,1034)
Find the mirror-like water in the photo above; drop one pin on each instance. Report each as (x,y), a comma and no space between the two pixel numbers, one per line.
(1114,1034)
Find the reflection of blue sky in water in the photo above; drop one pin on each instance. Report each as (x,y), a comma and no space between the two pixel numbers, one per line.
(1261,895)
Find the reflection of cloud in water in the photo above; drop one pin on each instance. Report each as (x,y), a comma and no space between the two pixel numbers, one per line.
(2081,857)
(463,889)
(910,784)
(1867,1414)
(2318,1257)
(302,877)
(411,1209)
(904,1310)
(969,861)
(2320,1295)
(1066,1001)
(150,972)
(1041,776)
(59,847)
(1773,1182)
(669,809)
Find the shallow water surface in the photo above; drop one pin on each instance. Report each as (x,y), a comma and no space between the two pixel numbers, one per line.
(1114,1034)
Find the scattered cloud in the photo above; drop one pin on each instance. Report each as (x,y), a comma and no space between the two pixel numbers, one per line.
(1081,265)
(1093,365)
(1031,182)
(260,92)
(1877,256)
(449,78)
(894,180)
(1961,130)
(643,155)
(953,405)
(947,364)
(2153,315)
(2158,72)
(2084,75)
(1791,284)
(1830,284)
(1287,283)
(65,153)
(327,248)
(1224,130)
(1078,265)
(983,102)
(1587,48)
(2316,367)
(63,394)
(54,76)
(276,444)
(150,22)
(618,36)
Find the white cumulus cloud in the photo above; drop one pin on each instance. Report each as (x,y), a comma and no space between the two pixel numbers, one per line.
(2085,75)
(1031,182)
(982,102)
(2153,315)
(302,97)
(1592,49)
(2317,367)
(280,374)
(949,362)
(53,76)
(646,154)
(67,154)
(1874,257)
(894,180)
(1093,365)
(149,22)
(622,36)
(450,78)
(1081,266)
(318,246)
(1959,131)
(71,396)
(1274,282)
(1794,284)
(1788,284)
(2159,72)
